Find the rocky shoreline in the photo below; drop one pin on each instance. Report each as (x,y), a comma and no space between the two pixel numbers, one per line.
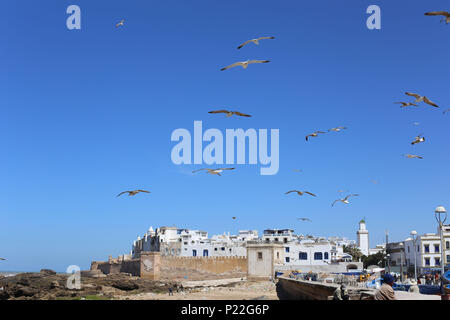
(48,285)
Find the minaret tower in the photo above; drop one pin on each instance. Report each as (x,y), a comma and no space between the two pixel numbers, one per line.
(363,238)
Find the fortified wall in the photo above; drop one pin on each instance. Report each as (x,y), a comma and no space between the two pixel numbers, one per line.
(154,266)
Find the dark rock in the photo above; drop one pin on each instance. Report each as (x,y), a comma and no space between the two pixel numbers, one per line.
(19,291)
(124,285)
(4,295)
(47,271)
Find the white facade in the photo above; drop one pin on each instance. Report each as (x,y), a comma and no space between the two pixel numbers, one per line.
(363,238)
(299,250)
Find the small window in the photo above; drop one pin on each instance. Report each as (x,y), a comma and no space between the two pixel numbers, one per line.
(185,243)
(205,253)
(448,258)
(287,259)
(437,261)
(426,248)
(326,255)
(276,239)
(285,240)
(194,253)
(318,256)
(427,261)
(436,248)
(215,249)
(303,255)
(278,255)
(447,245)
(259,255)
(223,248)
(287,249)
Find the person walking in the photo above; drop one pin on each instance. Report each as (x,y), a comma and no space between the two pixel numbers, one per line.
(386,292)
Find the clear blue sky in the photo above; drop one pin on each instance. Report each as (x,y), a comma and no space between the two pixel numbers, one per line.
(88,113)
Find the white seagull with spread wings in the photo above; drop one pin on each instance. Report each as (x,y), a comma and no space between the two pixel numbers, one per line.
(120,23)
(244,64)
(230,113)
(440,13)
(213,171)
(345,200)
(406,104)
(418,139)
(255,41)
(300,193)
(304,219)
(420,98)
(412,156)
(314,134)
(133,192)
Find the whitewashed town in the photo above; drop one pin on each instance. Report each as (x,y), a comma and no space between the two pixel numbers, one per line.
(307,252)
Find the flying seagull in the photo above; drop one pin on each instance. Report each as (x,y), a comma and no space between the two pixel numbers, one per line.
(314,134)
(244,64)
(255,41)
(412,156)
(304,219)
(418,139)
(345,200)
(234,218)
(132,193)
(2,259)
(120,23)
(230,113)
(420,98)
(406,104)
(440,13)
(337,129)
(300,193)
(213,171)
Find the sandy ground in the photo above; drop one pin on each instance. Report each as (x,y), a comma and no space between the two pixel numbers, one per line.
(236,290)
(401,295)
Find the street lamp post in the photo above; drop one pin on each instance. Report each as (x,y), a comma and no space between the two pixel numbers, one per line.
(401,244)
(414,236)
(441,215)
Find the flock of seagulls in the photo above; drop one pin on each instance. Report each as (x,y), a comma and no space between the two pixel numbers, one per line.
(228,113)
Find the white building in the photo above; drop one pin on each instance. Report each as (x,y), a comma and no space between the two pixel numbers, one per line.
(363,238)
(299,250)
(427,250)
